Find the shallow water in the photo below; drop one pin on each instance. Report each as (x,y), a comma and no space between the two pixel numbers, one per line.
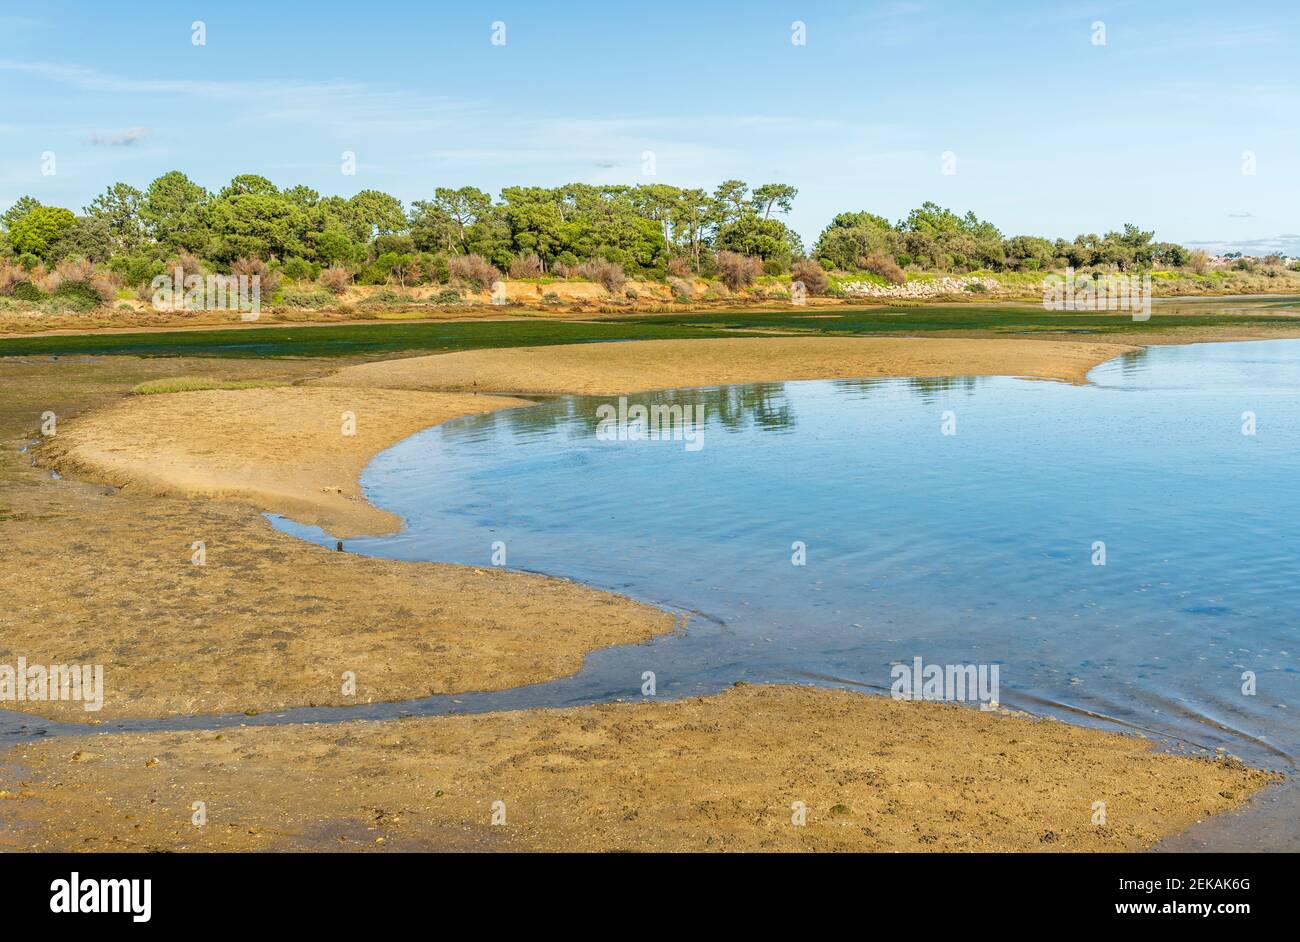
(973,548)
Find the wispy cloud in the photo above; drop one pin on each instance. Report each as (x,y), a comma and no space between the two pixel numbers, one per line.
(344,107)
(122,138)
(92,80)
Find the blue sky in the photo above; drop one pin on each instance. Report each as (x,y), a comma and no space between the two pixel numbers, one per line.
(1051,134)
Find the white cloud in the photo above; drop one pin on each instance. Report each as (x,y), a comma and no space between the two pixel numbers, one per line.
(122,138)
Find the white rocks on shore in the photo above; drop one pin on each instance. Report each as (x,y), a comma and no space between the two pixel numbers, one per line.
(937,287)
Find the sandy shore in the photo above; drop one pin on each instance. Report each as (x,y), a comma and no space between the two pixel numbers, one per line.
(613,368)
(98,576)
(271,622)
(715,773)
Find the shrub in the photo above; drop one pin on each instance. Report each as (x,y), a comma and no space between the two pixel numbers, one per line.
(550,297)
(682,289)
(736,270)
(449,296)
(73,269)
(26,291)
(679,267)
(396,267)
(526,266)
(878,263)
(607,273)
(180,266)
(335,280)
(473,270)
(77,295)
(306,299)
(299,269)
(812,275)
(9,276)
(80,282)
(564,264)
(135,270)
(185,262)
(388,296)
(43,278)
(253,267)
(434,267)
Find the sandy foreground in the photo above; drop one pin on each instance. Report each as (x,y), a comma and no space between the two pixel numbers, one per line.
(715,773)
(101,575)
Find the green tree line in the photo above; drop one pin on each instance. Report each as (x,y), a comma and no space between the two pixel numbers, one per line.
(650,231)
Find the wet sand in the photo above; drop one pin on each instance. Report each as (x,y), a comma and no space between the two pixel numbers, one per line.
(94,575)
(715,773)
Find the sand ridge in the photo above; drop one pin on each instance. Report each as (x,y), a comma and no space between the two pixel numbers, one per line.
(289,450)
(614,368)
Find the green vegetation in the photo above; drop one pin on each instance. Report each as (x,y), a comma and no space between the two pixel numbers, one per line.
(530,231)
(380,339)
(966,318)
(344,340)
(465,239)
(936,239)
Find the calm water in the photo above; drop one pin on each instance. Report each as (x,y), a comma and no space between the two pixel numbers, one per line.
(976,547)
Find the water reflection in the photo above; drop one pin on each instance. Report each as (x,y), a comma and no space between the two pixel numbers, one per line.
(1131,363)
(766,407)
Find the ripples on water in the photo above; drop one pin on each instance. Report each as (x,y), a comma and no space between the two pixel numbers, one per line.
(973,548)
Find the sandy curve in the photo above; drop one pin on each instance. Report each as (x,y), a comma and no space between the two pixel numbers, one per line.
(288,450)
(613,368)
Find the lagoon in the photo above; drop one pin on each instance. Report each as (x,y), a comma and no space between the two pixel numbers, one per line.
(1125,552)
